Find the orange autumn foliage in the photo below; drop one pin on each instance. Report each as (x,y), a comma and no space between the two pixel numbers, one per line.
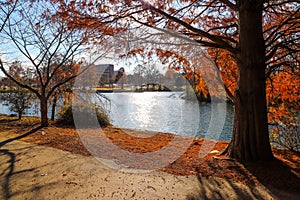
(283,96)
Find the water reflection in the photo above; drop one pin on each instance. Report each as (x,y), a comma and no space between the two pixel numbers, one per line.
(150,111)
(165,112)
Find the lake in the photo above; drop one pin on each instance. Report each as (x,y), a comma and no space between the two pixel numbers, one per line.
(166,112)
(163,112)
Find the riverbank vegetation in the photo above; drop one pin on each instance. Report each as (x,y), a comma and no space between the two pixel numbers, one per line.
(84,111)
(18,101)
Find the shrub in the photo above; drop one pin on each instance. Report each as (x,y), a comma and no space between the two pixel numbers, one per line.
(286,135)
(18,100)
(84,112)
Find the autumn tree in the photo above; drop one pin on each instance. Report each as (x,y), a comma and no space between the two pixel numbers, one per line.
(6,83)
(18,100)
(46,45)
(283,97)
(64,91)
(253,33)
(260,37)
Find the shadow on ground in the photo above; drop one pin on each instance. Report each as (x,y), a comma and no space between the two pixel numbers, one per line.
(278,178)
(20,136)
(25,171)
(215,188)
(8,120)
(8,160)
(273,177)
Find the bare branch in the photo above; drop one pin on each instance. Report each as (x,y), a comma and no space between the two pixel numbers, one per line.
(229,4)
(7,15)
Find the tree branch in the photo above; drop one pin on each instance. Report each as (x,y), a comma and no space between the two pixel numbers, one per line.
(229,4)
(202,33)
(8,14)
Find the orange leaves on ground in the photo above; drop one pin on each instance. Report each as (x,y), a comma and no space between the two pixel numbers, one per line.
(67,139)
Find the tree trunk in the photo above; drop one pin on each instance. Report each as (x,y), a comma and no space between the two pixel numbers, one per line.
(20,115)
(44,111)
(54,102)
(250,140)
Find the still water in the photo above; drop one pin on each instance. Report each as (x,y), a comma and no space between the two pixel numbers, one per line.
(167,112)
(163,112)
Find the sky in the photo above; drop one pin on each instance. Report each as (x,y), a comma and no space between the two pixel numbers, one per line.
(123,44)
(128,63)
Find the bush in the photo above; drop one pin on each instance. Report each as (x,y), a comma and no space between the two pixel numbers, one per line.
(18,100)
(286,136)
(84,112)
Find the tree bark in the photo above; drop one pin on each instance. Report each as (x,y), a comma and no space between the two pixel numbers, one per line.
(44,111)
(250,140)
(54,102)
(20,115)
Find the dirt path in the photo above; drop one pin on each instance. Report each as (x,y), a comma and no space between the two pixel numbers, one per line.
(30,171)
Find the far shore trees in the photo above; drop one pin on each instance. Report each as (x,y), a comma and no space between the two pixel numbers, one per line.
(18,99)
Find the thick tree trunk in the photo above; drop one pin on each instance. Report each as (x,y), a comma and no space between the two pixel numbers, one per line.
(44,111)
(250,141)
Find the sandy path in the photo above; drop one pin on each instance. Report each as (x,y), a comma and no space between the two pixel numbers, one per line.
(36,172)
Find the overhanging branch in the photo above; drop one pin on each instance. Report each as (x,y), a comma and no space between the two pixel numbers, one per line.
(202,33)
